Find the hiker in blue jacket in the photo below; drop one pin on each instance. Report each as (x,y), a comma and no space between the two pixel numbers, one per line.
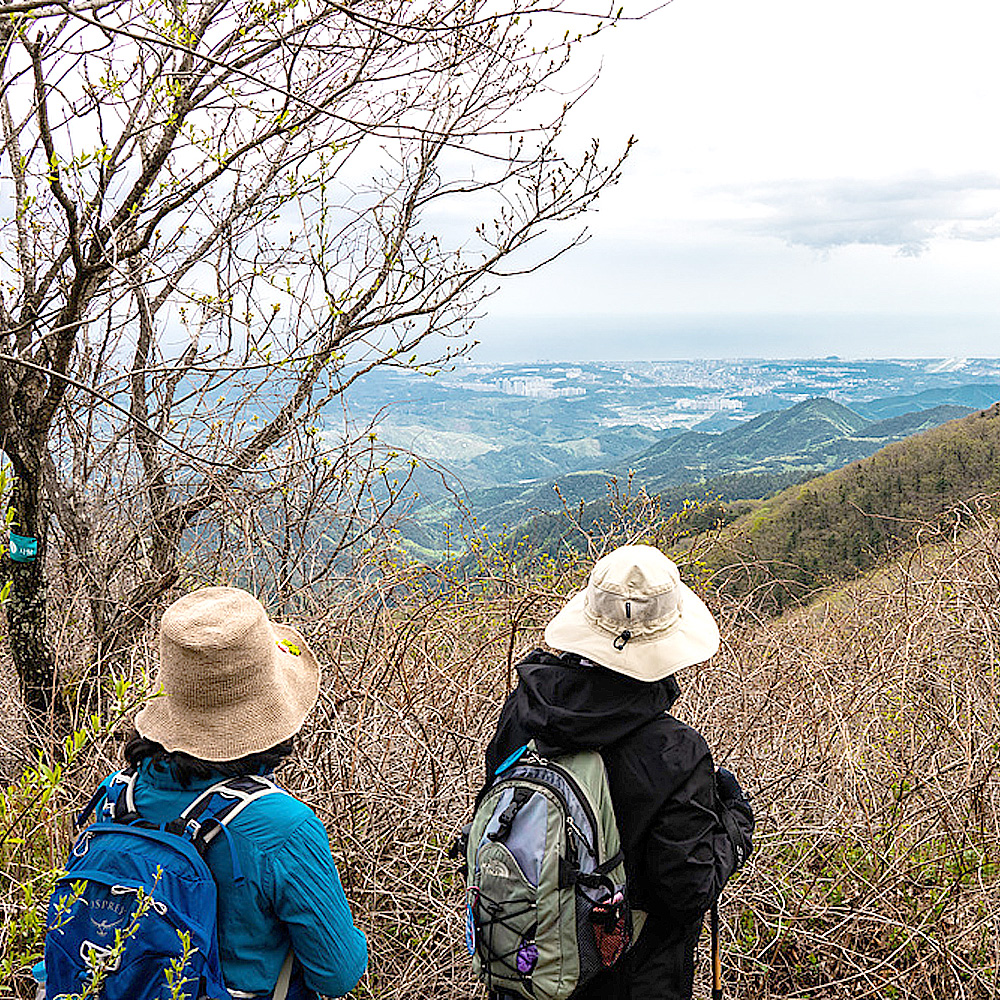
(237,689)
(685,827)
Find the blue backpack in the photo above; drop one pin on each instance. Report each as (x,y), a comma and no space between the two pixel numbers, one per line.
(137,903)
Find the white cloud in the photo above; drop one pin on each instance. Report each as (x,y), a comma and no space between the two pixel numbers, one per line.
(904,213)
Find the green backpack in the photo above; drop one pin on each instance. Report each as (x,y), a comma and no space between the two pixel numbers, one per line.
(547,906)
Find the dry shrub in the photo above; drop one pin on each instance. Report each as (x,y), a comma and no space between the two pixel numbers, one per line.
(865,727)
(394,757)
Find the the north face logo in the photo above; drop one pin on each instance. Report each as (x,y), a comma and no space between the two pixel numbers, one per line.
(496,868)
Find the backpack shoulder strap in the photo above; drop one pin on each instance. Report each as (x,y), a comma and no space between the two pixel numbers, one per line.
(284,977)
(215,807)
(211,811)
(122,801)
(118,794)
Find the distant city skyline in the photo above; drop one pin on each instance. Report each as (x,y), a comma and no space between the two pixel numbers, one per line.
(809,179)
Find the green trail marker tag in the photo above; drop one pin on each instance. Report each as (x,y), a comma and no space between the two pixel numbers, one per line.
(23,548)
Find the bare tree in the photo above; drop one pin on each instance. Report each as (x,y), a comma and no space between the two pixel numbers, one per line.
(223,213)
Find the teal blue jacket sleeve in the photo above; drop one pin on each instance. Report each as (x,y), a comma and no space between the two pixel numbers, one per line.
(308,898)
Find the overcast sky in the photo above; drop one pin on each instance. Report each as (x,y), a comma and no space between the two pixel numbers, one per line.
(811,178)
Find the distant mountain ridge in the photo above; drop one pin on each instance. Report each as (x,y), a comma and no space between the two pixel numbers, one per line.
(809,438)
(975,395)
(790,436)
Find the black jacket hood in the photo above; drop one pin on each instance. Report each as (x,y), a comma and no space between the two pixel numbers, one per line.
(568,703)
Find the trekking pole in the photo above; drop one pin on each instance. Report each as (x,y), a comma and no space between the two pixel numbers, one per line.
(716,955)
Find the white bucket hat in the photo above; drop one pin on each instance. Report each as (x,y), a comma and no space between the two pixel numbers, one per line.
(636,617)
(235,682)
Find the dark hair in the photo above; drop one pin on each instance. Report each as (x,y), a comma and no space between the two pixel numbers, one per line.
(186,768)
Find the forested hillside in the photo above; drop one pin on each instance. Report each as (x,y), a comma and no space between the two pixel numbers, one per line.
(842,523)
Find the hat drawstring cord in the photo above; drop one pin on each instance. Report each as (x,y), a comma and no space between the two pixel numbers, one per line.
(619,643)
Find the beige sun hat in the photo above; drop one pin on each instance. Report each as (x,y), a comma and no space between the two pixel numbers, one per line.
(636,617)
(235,682)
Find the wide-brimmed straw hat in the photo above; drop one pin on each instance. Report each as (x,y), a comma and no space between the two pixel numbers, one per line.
(636,617)
(235,682)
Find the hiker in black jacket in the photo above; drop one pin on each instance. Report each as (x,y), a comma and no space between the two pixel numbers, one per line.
(685,827)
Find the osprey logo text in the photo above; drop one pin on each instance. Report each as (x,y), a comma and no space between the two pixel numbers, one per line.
(111,911)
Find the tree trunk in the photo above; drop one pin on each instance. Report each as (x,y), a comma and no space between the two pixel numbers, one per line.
(26,607)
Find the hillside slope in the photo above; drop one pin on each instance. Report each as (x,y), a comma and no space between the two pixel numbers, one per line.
(865,728)
(843,522)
